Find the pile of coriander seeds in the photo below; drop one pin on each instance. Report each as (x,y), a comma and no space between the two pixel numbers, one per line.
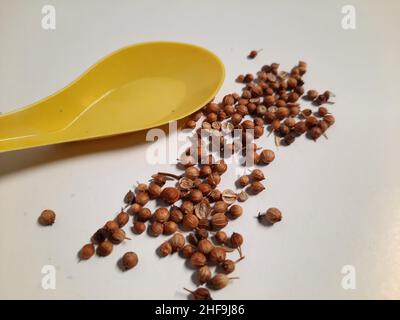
(195,211)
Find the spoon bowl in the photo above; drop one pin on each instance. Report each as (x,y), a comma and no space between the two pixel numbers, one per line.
(135,88)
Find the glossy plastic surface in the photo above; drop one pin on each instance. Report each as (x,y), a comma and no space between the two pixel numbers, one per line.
(134,88)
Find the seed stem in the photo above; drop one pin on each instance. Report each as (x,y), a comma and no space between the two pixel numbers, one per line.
(277,142)
(170,175)
(188,290)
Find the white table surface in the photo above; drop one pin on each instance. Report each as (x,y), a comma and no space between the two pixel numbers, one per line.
(340,197)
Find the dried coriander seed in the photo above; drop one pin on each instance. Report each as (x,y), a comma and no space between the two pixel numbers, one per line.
(190,124)
(142,198)
(87,251)
(111,226)
(215,195)
(219,220)
(205,188)
(257,187)
(154,190)
(267,156)
(312,95)
(156,228)
(195,195)
(187,207)
(228,266)
(161,215)
(205,170)
(257,175)
(170,195)
(188,250)
(176,215)
(99,236)
(300,127)
(200,294)
(177,241)
(190,221)
(129,198)
(198,259)
(201,233)
(243,196)
(229,196)
(170,227)
(217,255)
(129,260)
(138,227)
(235,211)
(122,219)
(159,179)
(272,215)
(165,249)
(104,248)
(141,187)
(244,181)
(118,236)
(135,208)
(47,217)
(205,246)
(221,237)
(236,240)
(253,54)
(315,133)
(144,214)
(220,281)
(203,274)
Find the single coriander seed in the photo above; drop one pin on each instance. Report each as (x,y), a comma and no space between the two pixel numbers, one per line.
(198,259)
(47,217)
(272,215)
(267,156)
(104,248)
(221,237)
(217,255)
(138,227)
(129,260)
(156,228)
(170,227)
(205,246)
(165,249)
(204,274)
(200,294)
(161,215)
(111,226)
(170,195)
(219,221)
(188,250)
(177,241)
(122,218)
(244,181)
(235,211)
(257,175)
(220,281)
(257,187)
(87,251)
(118,236)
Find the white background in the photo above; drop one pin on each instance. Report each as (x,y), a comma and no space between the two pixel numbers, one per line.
(340,197)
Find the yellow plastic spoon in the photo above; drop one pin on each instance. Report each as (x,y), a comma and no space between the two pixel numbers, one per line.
(135,88)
